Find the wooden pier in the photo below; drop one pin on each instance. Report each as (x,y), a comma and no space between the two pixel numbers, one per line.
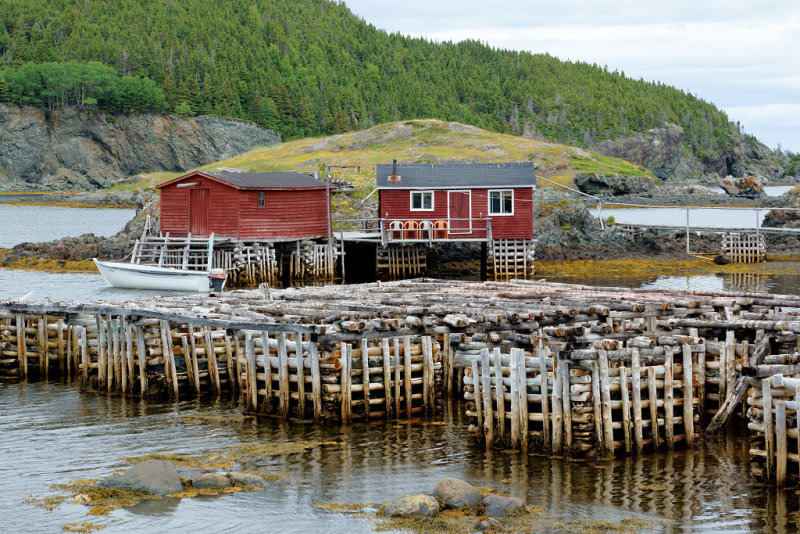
(246,262)
(568,370)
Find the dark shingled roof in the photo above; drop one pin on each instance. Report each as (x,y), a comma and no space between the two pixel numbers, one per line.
(266,180)
(454,175)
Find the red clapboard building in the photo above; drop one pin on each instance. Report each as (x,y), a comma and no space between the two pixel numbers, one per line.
(483,201)
(244,205)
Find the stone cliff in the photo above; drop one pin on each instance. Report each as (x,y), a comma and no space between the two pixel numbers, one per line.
(67,149)
(662,151)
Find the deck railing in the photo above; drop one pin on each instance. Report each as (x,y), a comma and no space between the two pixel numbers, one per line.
(419,230)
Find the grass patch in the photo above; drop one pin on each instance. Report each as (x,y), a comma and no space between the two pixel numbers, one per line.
(608,165)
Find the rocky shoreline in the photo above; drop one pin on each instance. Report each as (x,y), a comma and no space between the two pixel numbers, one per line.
(563,225)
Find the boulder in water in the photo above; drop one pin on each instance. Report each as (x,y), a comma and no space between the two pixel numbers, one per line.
(158,477)
(500,505)
(211,481)
(410,506)
(455,493)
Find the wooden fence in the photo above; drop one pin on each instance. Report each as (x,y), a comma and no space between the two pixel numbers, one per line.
(744,247)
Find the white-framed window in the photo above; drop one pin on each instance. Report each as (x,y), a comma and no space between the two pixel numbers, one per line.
(262,199)
(501,202)
(421,200)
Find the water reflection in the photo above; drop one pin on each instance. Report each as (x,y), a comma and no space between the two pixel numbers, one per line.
(54,434)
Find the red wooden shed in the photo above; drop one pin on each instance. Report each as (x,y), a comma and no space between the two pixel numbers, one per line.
(470,201)
(244,205)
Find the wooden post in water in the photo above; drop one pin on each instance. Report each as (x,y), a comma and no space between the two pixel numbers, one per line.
(141,353)
(636,380)
(558,407)
(652,394)
(626,408)
(102,365)
(565,399)
(301,379)
(166,336)
(84,359)
(387,377)
(512,374)
(365,374)
(407,374)
(211,360)
(283,376)
(605,392)
(397,378)
(500,392)
(688,396)
(669,409)
(780,444)
(769,435)
(347,361)
(252,383)
(486,384)
(316,380)
(523,398)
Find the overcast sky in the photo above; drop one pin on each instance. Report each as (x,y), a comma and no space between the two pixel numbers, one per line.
(742,56)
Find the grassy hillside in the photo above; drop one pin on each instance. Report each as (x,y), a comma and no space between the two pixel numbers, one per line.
(311,67)
(418,141)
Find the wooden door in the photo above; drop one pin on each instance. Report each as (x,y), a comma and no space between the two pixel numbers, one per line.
(458,212)
(198,211)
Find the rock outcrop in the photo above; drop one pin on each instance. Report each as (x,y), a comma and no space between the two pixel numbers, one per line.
(71,150)
(612,184)
(747,187)
(663,151)
(658,149)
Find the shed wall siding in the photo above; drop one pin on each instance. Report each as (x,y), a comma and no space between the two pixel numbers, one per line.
(298,213)
(223,208)
(236,213)
(396,204)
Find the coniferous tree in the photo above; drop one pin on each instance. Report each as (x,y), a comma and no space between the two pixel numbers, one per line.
(218,60)
(5,93)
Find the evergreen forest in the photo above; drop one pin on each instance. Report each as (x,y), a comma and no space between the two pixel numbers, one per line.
(310,67)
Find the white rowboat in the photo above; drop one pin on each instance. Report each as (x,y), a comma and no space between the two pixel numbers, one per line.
(142,276)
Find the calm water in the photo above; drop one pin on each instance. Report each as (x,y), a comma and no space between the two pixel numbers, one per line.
(54,434)
(770,190)
(45,223)
(698,217)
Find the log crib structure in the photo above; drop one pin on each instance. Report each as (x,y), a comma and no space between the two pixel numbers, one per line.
(558,368)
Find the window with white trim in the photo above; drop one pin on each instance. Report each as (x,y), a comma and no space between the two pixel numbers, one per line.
(421,200)
(501,202)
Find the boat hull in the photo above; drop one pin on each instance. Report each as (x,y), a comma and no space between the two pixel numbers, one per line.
(138,276)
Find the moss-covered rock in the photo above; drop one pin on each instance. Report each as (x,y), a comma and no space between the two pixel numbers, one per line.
(410,506)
